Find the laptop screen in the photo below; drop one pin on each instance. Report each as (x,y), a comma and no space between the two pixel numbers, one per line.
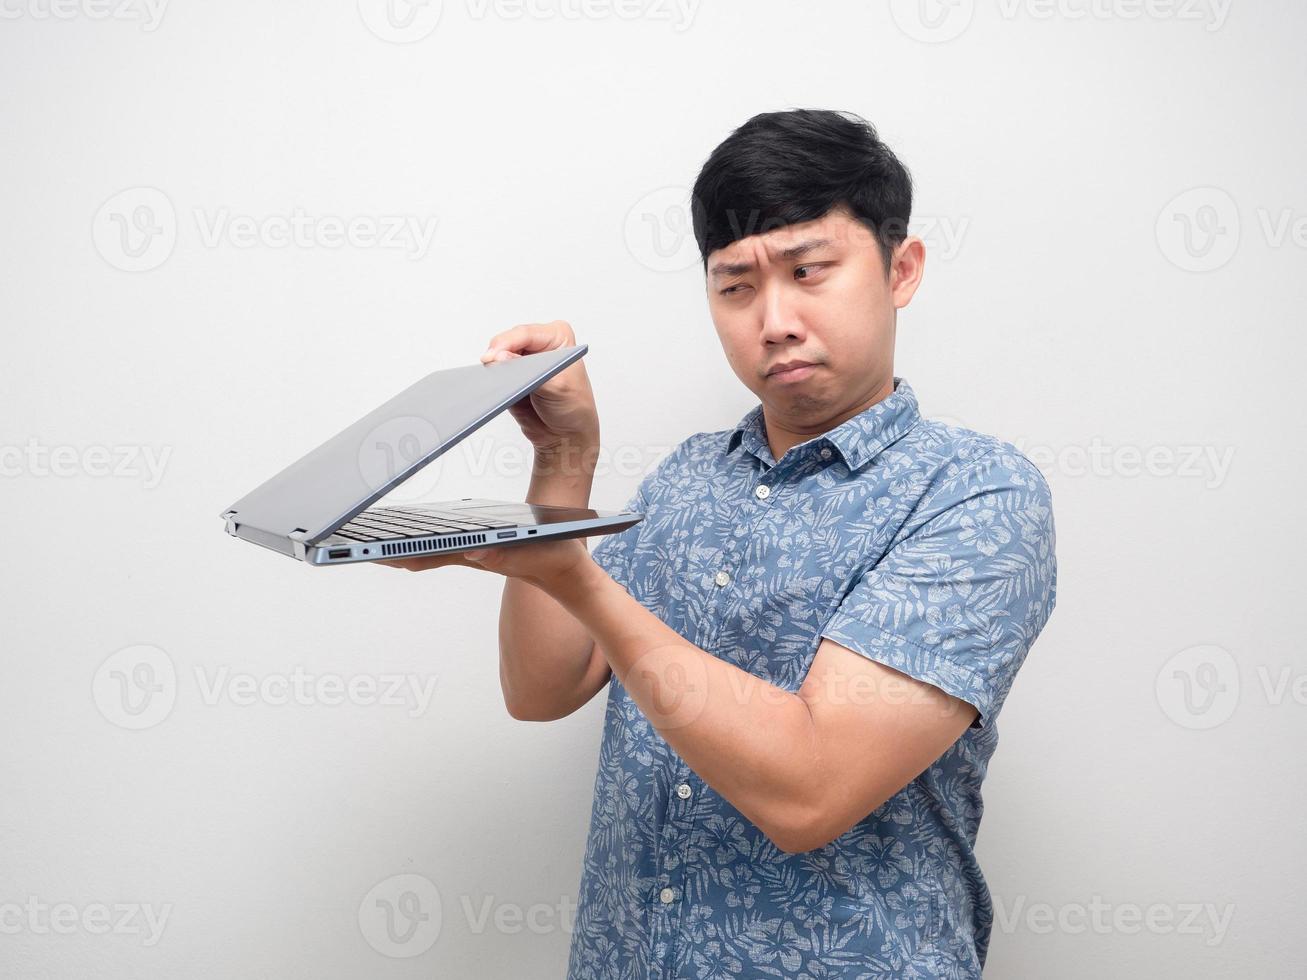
(360,465)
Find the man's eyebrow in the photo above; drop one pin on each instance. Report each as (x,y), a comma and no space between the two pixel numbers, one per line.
(803,248)
(731,268)
(793,252)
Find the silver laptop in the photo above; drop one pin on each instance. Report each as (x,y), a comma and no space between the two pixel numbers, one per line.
(320,511)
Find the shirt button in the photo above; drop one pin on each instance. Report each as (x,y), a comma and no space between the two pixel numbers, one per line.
(722,578)
(683,791)
(667,896)
(825,452)
(762,491)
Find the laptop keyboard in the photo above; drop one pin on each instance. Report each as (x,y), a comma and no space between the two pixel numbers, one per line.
(388,523)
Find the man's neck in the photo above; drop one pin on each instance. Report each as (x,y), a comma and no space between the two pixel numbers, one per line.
(781,438)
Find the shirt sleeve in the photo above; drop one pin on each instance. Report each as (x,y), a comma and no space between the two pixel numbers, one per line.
(613,552)
(960,596)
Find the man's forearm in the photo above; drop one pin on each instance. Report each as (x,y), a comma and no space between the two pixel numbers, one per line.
(753,742)
(544,653)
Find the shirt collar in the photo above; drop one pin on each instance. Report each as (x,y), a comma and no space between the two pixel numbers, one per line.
(858,440)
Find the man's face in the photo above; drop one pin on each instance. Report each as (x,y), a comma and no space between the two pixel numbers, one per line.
(815,292)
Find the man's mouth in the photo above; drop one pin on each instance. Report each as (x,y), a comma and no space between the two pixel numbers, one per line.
(792,371)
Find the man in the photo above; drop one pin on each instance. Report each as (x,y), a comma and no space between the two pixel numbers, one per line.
(808,639)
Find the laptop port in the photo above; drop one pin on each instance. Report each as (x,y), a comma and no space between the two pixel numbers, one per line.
(338,553)
(506,534)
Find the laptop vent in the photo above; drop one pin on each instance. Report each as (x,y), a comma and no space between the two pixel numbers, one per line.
(430,544)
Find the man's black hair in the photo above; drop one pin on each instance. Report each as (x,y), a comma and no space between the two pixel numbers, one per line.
(783,168)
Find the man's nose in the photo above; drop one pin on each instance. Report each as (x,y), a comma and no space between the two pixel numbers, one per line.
(780,316)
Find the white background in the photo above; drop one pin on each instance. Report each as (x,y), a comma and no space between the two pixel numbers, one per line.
(1140,340)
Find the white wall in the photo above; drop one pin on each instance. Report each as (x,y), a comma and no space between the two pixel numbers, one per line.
(1062,309)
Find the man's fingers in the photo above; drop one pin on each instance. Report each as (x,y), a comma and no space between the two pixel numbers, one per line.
(421,564)
(529,338)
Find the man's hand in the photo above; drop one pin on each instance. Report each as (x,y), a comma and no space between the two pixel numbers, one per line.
(545,564)
(559,416)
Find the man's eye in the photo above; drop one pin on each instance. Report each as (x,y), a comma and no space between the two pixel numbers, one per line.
(736,288)
(806,271)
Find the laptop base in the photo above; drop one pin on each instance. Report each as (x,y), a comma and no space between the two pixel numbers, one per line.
(383,532)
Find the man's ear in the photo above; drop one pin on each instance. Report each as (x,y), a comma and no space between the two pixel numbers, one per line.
(905,271)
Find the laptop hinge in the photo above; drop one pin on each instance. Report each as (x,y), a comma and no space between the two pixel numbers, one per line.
(230,518)
(299,541)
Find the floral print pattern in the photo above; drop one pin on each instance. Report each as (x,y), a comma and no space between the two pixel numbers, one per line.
(923,546)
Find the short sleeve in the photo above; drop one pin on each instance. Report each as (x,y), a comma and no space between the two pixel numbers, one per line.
(613,552)
(963,592)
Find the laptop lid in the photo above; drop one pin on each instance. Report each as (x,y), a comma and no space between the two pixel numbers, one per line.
(312,497)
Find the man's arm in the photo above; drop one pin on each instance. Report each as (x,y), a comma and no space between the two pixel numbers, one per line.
(926,641)
(548,663)
(803,766)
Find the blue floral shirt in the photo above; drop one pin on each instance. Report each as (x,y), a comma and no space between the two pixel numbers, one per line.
(920,545)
